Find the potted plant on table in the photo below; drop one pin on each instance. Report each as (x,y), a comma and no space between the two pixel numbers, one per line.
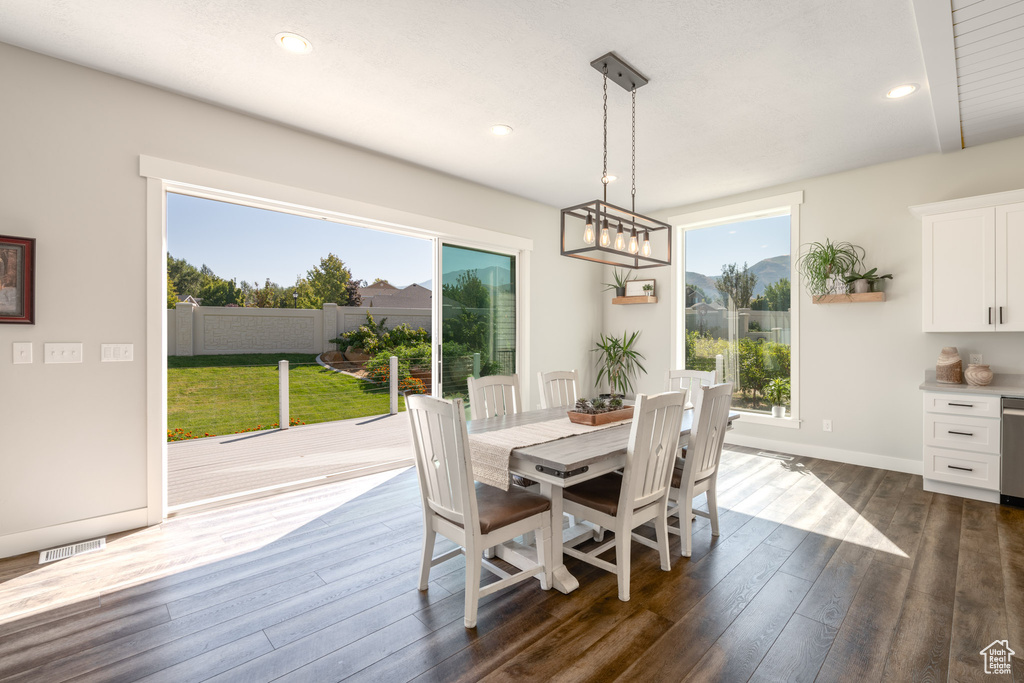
(618,361)
(865,282)
(621,277)
(777,393)
(824,266)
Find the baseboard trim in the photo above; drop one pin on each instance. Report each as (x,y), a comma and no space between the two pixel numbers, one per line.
(882,462)
(71,532)
(984,495)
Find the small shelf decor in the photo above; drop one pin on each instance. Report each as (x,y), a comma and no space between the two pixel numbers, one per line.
(867,297)
(620,300)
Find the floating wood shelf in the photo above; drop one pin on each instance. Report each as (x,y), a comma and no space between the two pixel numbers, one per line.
(635,300)
(849,298)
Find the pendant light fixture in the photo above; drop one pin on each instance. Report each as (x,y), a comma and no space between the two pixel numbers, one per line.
(639,241)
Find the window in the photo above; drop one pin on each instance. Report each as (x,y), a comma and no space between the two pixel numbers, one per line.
(737,308)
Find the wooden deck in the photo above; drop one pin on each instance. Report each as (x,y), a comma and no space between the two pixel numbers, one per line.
(822,572)
(221,469)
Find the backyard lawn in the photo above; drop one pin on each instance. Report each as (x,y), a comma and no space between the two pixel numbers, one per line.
(233,393)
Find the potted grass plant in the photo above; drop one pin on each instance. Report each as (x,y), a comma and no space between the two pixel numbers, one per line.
(620,277)
(618,362)
(825,265)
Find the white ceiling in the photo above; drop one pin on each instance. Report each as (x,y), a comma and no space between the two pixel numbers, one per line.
(744,94)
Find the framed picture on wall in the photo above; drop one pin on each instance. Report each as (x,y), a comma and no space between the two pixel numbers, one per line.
(17,280)
(640,288)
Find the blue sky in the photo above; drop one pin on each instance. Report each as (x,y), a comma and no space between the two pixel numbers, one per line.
(252,244)
(708,249)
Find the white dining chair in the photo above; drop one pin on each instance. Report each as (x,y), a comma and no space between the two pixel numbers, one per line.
(688,380)
(558,388)
(475,517)
(493,396)
(699,471)
(622,502)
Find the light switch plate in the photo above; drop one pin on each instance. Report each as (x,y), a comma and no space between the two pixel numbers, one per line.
(62,353)
(112,353)
(22,352)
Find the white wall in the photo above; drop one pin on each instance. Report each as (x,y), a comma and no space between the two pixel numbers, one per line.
(861,364)
(72,437)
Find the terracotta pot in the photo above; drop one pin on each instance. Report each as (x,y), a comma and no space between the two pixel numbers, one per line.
(978,375)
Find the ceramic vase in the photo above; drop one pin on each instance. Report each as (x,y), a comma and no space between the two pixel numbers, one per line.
(778,411)
(978,375)
(949,367)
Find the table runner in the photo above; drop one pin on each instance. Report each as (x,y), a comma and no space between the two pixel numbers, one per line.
(490,451)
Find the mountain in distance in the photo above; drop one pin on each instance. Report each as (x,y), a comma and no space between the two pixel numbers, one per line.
(767,270)
(500,277)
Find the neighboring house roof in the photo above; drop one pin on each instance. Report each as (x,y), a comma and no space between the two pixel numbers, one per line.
(188,298)
(383,295)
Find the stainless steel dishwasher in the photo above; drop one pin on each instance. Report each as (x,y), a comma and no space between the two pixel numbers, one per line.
(1011,480)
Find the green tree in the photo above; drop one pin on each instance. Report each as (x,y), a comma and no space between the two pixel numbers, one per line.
(778,295)
(187,279)
(328,282)
(468,290)
(380,280)
(736,285)
(172,296)
(218,292)
(307,297)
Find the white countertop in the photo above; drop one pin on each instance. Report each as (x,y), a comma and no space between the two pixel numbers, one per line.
(1002,385)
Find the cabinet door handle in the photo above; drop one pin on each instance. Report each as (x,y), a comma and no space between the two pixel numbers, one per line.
(989,315)
(962,405)
(950,431)
(1000,315)
(964,469)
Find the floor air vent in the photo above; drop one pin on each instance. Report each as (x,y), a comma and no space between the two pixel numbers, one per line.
(72,550)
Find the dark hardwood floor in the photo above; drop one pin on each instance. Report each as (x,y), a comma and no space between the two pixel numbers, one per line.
(823,571)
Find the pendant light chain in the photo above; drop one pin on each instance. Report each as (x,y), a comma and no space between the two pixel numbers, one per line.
(633,189)
(604,174)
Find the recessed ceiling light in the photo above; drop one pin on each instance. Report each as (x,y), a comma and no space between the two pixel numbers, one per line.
(501,129)
(293,42)
(901,91)
(609,179)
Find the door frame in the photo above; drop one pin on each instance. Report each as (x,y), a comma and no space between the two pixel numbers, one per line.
(164,176)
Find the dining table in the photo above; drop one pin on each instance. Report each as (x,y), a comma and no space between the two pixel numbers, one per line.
(564,462)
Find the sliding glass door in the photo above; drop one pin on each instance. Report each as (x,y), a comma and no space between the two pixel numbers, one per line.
(478,316)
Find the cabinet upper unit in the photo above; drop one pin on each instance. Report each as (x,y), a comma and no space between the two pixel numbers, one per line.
(972,256)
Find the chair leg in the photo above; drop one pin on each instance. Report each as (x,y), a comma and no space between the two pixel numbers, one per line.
(713,507)
(622,547)
(428,554)
(661,533)
(529,538)
(473,569)
(685,532)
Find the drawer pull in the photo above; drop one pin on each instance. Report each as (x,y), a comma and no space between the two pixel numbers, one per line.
(950,431)
(962,405)
(965,469)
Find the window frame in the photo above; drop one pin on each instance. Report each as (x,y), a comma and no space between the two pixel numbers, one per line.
(765,207)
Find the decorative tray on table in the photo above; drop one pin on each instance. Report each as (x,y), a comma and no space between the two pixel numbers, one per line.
(599,412)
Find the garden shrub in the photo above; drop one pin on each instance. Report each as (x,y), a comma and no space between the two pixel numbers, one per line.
(373,337)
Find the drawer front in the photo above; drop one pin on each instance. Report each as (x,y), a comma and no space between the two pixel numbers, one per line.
(975,405)
(963,433)
(957,467)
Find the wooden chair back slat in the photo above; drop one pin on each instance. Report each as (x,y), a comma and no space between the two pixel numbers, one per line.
(558,388)
(441,445)
(708,435)
(651,453)
(494,396)
(687,381)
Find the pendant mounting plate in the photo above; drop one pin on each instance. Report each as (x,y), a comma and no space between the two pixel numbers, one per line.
(620,71)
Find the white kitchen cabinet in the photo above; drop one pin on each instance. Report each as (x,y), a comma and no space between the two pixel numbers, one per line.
(961,445)
(972,251)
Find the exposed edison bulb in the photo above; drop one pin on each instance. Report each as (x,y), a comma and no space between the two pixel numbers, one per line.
(634,246)
(620,239)
(606,235)
(588,231)
(646,248)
